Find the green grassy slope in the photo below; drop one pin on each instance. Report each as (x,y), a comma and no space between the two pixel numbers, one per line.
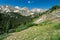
(43,31)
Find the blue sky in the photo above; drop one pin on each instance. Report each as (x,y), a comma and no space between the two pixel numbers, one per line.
(45,4)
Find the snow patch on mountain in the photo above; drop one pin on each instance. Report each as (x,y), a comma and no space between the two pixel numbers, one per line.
(23,11)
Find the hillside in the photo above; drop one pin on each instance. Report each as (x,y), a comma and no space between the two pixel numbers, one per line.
(52,14)
(45,26)
(11,20)
(48,31)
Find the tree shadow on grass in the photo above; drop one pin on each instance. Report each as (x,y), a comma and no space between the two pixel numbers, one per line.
(5,35)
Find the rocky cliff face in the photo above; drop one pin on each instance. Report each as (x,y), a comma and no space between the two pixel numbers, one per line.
(54,14)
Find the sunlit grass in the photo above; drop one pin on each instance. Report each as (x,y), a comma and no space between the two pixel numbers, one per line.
(39,32)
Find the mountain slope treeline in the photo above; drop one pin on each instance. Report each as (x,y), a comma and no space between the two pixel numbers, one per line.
(12,20)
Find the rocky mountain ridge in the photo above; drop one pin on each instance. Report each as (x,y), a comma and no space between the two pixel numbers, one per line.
(23,11)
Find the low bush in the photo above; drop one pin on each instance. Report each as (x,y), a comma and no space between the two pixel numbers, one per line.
(24,26)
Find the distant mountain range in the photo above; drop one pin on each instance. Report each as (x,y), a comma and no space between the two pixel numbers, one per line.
(23,11)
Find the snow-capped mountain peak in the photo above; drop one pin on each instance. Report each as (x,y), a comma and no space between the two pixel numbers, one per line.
(17,7)
(23,11)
